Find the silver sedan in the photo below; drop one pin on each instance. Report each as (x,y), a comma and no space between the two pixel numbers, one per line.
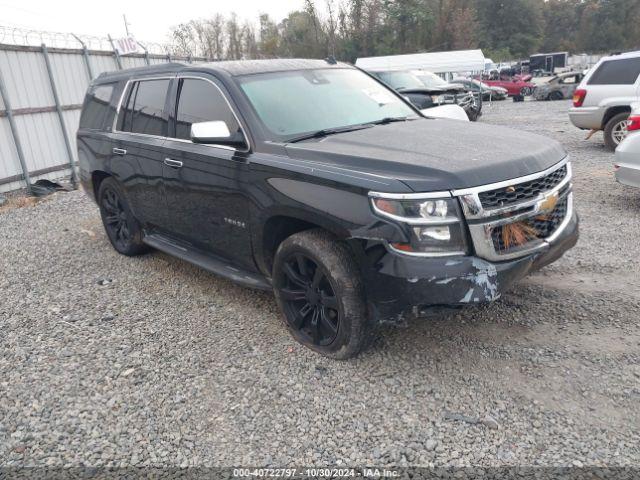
(627,164)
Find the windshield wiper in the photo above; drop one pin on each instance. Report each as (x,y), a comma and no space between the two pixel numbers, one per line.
(385,120)
(328,131)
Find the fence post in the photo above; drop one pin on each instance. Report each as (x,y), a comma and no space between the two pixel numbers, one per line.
(146,53)
(116,53)
(14,132)
(85,55)
(56,99)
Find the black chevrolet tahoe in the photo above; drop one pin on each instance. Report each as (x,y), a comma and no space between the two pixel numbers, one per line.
(312,179)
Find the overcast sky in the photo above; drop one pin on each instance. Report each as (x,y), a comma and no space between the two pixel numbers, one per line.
(148,20)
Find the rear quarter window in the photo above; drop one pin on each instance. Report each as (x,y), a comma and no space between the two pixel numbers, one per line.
(97,112)
(617,72)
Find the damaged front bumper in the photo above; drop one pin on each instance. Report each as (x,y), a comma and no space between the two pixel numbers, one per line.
(398,286)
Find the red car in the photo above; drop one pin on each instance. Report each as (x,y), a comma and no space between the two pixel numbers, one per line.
(514,86)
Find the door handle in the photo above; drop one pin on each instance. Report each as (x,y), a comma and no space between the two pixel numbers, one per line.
(119,151)
(172,163)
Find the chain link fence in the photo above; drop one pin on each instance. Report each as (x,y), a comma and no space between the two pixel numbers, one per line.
(43,79)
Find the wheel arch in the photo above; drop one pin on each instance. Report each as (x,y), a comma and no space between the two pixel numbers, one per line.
(613,111)
(279,226)
(97,177)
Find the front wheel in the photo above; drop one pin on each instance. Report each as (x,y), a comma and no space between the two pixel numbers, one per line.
(319,290)
(556,96)
(616,130)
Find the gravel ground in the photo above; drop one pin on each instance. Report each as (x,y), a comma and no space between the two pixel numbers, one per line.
(108,360)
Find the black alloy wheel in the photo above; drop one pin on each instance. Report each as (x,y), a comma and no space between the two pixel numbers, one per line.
(319,289)
(122,228)
(309,300)
(115,220)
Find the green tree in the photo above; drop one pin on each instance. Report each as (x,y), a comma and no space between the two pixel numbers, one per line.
(513,25)
(269,37)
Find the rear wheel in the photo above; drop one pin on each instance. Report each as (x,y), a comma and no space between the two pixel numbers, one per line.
(616,130)
(121,227)
(319,291)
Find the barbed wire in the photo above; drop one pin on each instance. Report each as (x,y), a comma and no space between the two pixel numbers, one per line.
(34,38)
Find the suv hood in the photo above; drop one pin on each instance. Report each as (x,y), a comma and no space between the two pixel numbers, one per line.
(435,154)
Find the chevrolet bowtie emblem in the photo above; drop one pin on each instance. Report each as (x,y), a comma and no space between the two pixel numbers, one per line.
(549,203)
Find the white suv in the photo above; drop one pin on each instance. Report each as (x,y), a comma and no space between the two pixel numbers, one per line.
(603,99)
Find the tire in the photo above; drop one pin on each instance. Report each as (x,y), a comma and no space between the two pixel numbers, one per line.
(319,290)
(121,227)
(615,130)
(473,114)
(556,96)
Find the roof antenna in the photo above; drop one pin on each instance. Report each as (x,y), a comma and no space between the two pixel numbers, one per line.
(331,60)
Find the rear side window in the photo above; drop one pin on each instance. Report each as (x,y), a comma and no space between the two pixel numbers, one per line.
(143,107)
(201,101)
(97,110)
(617,72)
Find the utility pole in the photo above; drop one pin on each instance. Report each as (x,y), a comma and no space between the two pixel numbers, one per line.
(126,24)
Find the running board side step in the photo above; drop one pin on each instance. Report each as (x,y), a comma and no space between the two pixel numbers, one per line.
(206,261)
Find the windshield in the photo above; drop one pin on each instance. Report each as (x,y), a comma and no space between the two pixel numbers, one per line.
(431,80)
(303,101)
(400,80)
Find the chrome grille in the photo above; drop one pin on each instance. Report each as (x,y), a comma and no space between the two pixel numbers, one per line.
(511,195)
(538,227)
(514,218)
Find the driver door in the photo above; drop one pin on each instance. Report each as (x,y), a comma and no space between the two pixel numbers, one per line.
(204,184)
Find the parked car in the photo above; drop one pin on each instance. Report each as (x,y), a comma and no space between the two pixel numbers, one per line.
(488,92)
(627,164)
(559,87)
(538,72)
(603,99)
(427,92)
(346,202)
(514,86)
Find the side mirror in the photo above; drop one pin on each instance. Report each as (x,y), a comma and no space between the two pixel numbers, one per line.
(216,132)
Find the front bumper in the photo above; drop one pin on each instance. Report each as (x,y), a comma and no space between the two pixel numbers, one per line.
(399,285)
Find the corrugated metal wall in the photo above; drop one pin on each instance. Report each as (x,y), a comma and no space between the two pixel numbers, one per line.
(29,89)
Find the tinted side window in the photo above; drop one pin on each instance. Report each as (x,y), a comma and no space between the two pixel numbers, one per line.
(96,111)
(200,101)
(126,109)
(617,72)
(148,105)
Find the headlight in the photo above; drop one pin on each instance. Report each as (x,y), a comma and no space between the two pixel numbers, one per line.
(434,224)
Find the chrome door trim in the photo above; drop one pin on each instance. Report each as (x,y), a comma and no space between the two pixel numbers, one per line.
(178,76)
